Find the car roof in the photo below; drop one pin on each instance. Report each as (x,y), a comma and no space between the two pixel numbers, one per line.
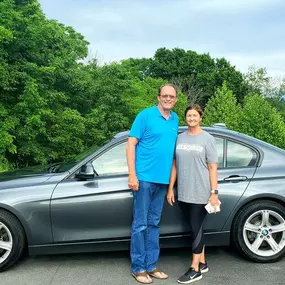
(218,128)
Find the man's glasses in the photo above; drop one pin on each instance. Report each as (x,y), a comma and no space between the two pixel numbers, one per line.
(165,96)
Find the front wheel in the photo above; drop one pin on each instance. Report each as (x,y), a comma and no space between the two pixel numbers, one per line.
(259,231)
(12,240)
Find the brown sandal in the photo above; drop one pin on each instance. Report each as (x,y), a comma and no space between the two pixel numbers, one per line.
(142,277)
(156,273)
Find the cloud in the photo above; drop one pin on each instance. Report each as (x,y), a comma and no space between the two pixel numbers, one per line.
(243,31)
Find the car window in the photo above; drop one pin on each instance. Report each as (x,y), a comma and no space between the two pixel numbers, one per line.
(220,149)
(112,162)
(239,155)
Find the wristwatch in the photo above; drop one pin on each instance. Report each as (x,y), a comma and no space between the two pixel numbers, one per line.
(214,192)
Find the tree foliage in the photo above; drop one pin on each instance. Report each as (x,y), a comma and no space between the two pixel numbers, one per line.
(223,108)
(37,59)
(262,121)
(193,71)
(256,118)
(53,106)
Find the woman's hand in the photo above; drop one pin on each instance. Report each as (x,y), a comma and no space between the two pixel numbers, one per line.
(214,200)
(170,197)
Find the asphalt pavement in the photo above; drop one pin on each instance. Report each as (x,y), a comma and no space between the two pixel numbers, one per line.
(226,266)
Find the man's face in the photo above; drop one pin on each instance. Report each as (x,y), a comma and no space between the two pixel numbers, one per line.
(167,98)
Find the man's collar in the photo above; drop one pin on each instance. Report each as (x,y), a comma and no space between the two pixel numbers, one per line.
(158,113)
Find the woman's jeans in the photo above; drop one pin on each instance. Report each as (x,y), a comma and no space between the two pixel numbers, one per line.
(147,208)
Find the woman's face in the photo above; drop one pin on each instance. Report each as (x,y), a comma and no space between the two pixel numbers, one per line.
(193,118)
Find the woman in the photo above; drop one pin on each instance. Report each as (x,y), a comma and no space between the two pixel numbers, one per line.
(195,166)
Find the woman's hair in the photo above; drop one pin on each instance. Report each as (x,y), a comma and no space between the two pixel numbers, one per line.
(195,107)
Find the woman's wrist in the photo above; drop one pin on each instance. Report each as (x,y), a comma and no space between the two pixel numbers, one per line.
(214,191)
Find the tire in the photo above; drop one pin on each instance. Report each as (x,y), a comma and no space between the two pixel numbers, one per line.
(255,232)
(12,240)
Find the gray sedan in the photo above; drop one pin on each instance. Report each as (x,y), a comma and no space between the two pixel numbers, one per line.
(85,204)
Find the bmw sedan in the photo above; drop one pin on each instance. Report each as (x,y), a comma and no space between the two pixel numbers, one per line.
(85,204)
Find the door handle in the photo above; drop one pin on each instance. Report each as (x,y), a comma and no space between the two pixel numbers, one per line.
(235,178)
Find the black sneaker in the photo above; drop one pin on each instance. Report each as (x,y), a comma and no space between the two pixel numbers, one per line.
(190,276)
(203,267)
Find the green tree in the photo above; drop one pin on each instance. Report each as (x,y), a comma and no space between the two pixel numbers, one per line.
(38,59)
(7,125)
(53,106)
(277,96)
(66,136)
(258,80)
(262,121)
(198,75)
(143,94)
(108,114)
(223,108)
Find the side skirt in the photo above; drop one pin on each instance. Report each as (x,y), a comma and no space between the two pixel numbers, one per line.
(174,241)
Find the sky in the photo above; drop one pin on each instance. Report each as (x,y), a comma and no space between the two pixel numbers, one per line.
(245,32)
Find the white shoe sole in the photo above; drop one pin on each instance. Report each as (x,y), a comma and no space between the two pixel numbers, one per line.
(205,270)
(190,281)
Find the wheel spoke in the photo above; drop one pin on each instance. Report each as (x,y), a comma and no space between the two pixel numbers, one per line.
(274,246)
(252,228)
(256,244)
(265,218)
(277,228)
(6,245)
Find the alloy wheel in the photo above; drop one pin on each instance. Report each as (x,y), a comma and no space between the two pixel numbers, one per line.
(264,233)
(6,242)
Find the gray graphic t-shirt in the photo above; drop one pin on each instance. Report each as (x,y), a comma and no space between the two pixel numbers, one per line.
(193,153)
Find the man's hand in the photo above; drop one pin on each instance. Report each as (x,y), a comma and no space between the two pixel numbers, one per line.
(133,182)
(170,197)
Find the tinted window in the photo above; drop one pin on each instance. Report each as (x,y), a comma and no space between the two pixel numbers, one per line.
(220,149)
(239,155)
(112,162)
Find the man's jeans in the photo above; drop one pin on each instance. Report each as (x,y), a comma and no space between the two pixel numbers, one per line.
(148,204)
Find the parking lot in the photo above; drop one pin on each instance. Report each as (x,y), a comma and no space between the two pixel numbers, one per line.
(225,264)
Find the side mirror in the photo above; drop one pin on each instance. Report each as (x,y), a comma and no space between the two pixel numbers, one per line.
(86,172)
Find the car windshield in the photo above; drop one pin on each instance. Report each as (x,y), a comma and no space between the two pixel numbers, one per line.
(71,162)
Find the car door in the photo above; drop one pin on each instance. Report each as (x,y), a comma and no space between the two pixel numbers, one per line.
(237,165)
(98,208)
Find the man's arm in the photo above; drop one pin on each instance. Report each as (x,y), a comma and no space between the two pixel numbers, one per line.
(131,158)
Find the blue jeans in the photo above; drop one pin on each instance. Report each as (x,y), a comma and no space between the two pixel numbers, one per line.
(148,204)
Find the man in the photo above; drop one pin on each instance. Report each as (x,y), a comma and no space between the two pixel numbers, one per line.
(150,151)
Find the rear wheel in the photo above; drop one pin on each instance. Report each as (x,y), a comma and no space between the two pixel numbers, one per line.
(259,231)
(12,240)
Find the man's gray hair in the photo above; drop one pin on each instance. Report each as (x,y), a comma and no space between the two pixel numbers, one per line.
(168,84)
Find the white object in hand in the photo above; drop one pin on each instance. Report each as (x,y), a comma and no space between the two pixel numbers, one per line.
(211,209)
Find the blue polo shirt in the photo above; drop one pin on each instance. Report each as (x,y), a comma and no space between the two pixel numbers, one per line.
(156,143)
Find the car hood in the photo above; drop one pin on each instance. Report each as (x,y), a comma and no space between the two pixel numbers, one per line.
(24,176)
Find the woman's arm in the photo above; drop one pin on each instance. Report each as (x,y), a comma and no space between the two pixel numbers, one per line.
(213,174)
(170,192)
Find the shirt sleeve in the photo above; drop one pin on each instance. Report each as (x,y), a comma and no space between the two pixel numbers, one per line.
(211,151)
(138,126)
